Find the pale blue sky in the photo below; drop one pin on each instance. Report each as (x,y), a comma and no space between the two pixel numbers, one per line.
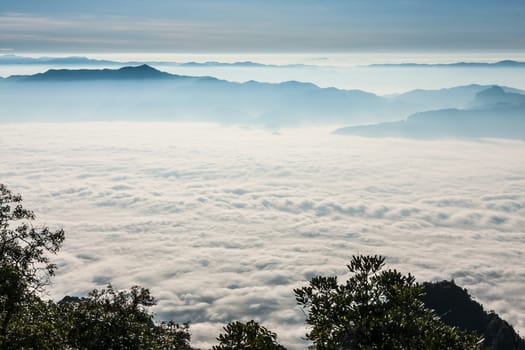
(261,25)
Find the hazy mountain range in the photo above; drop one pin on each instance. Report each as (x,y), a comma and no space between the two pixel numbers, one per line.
(499,64)
(80,60)
(145,93)
(493,112)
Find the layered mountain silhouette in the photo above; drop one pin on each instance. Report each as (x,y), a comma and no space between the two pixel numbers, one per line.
(460,97)
(10,59)
(85,61)
(145,93)
(493,112)
(15,59)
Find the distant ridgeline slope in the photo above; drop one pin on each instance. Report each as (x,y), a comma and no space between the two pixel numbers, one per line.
(493,112)
(86,61)
(499,64)
(147,94)
(456,308)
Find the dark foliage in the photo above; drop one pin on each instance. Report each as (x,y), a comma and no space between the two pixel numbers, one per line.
(374,309)
(247,336)
(111,319)
(105,319)
(25,267)
(456,308)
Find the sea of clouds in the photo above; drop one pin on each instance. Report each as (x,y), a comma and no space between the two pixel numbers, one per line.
(222,223)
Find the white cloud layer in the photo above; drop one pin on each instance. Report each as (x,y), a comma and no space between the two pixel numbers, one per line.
(223,223)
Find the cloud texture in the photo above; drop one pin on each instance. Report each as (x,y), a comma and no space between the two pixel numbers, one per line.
(223,223)
(261,26)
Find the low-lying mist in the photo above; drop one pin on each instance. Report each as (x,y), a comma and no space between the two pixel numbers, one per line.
(222,222)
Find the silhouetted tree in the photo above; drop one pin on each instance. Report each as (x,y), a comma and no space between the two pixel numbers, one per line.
(24,260)
(172,335)
(374,309)
(112,319)
(247,336)
(38,324)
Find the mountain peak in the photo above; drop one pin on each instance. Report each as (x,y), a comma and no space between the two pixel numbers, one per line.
(496,95)
(491,91)
(142,72)
(142,67)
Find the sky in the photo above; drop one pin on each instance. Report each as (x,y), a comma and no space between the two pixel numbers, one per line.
(240,26)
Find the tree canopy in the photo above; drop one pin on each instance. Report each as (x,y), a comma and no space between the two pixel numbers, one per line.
(247,336)
(25,265)
(113,319)
(374,309)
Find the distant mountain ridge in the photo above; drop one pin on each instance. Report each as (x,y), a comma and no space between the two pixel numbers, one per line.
(10,59)
(493,112)
(496,96)
(457,309)
(80,60)
(142,72)
(15,59)
(499,64)
(145,93)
